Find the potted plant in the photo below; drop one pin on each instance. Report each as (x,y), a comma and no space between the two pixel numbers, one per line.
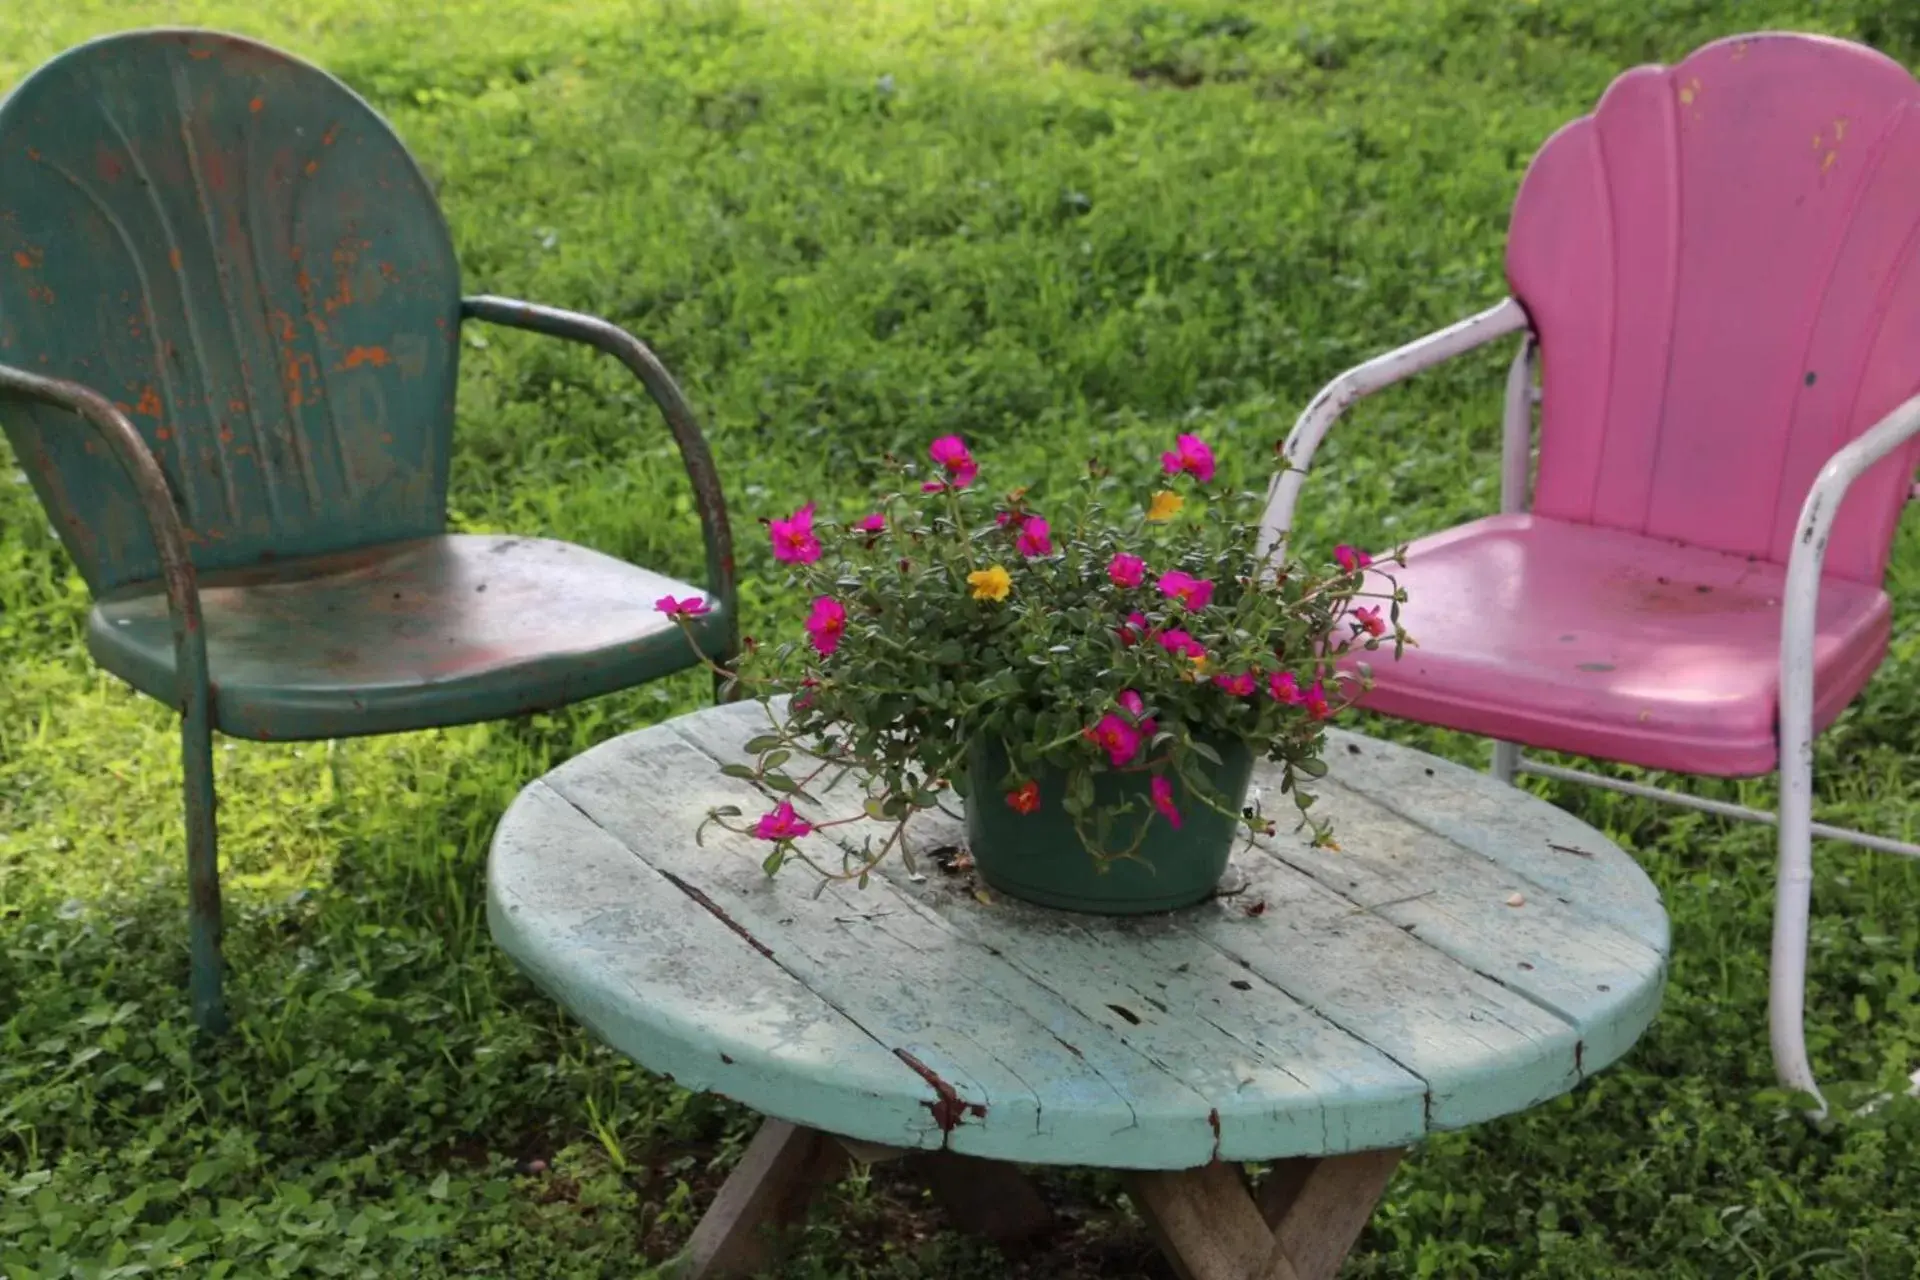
(1094,675)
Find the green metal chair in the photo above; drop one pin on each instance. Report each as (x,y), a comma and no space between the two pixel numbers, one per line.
(229,330)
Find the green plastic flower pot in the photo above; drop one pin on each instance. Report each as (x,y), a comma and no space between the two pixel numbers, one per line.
(1039,857)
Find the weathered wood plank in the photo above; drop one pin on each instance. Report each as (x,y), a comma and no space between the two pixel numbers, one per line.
(1490,919)
(1549,847)
(602,933)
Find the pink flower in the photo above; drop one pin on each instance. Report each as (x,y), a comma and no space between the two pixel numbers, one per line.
(1192,456)
(826,624)
(1368,620)
(1125,570)
(1131,703)
(1003,518)
(951,453)
(1192,592)
(793,540)
(782,824)
(1284,688)
(1134,629)
(1240,686)
(875,523)
(1179,642)
(805,696)
(691,607)
(1351,559)
(1035,538)
(1162,792)
(1120,740)
(1317,708)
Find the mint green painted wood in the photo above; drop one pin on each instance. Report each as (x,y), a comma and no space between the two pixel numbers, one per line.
(1336,1019)
(433,631)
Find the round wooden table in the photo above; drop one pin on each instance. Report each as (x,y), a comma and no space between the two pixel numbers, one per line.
(1467,952)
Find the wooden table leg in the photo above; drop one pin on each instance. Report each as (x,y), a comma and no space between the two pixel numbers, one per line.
(743,1232)
(989,1198)
(1211,1229)
(1317,1208)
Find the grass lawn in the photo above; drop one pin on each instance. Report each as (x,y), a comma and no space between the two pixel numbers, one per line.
(1059,227)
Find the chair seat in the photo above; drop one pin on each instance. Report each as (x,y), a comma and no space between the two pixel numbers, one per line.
(1613,645)
(408,635)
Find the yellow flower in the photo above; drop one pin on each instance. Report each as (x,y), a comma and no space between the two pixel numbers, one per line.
(1166,505)
(1199,664)
(990,583)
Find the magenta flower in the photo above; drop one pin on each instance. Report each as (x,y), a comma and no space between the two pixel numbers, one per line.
(1120,740)
(1003,518)
(1351,559)
(1284,688)
(1179,642)
(793,540)
(1369,621)
(1240,686)
(1131,703)
(1125,570)
(1162,792)
(1035,539)
(951,453)
(875,523)
(691,607)
(782,824)
(1317,708)
(1194,593)
(1192,456)
(826,624)
(1134,629)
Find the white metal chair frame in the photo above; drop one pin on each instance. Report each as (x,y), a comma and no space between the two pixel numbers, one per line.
(1794,873)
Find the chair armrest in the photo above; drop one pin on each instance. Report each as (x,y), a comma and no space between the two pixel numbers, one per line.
(638,357)
(1804,563)
(1296,455)
(156,503)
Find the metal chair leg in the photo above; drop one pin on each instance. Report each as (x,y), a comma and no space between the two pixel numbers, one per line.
(1793,899)
(203,873)
(1506,761)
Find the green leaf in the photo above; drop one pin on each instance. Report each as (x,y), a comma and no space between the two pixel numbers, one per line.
(738,771)
(765,742)
(775,759)
(1312,766)
(771,863)
(1207,753)
(780,782)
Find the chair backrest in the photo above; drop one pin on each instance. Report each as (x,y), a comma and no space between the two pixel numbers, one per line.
(237,250)
(1723,265)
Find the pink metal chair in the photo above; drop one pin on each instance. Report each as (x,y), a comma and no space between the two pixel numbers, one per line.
(1719,270)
